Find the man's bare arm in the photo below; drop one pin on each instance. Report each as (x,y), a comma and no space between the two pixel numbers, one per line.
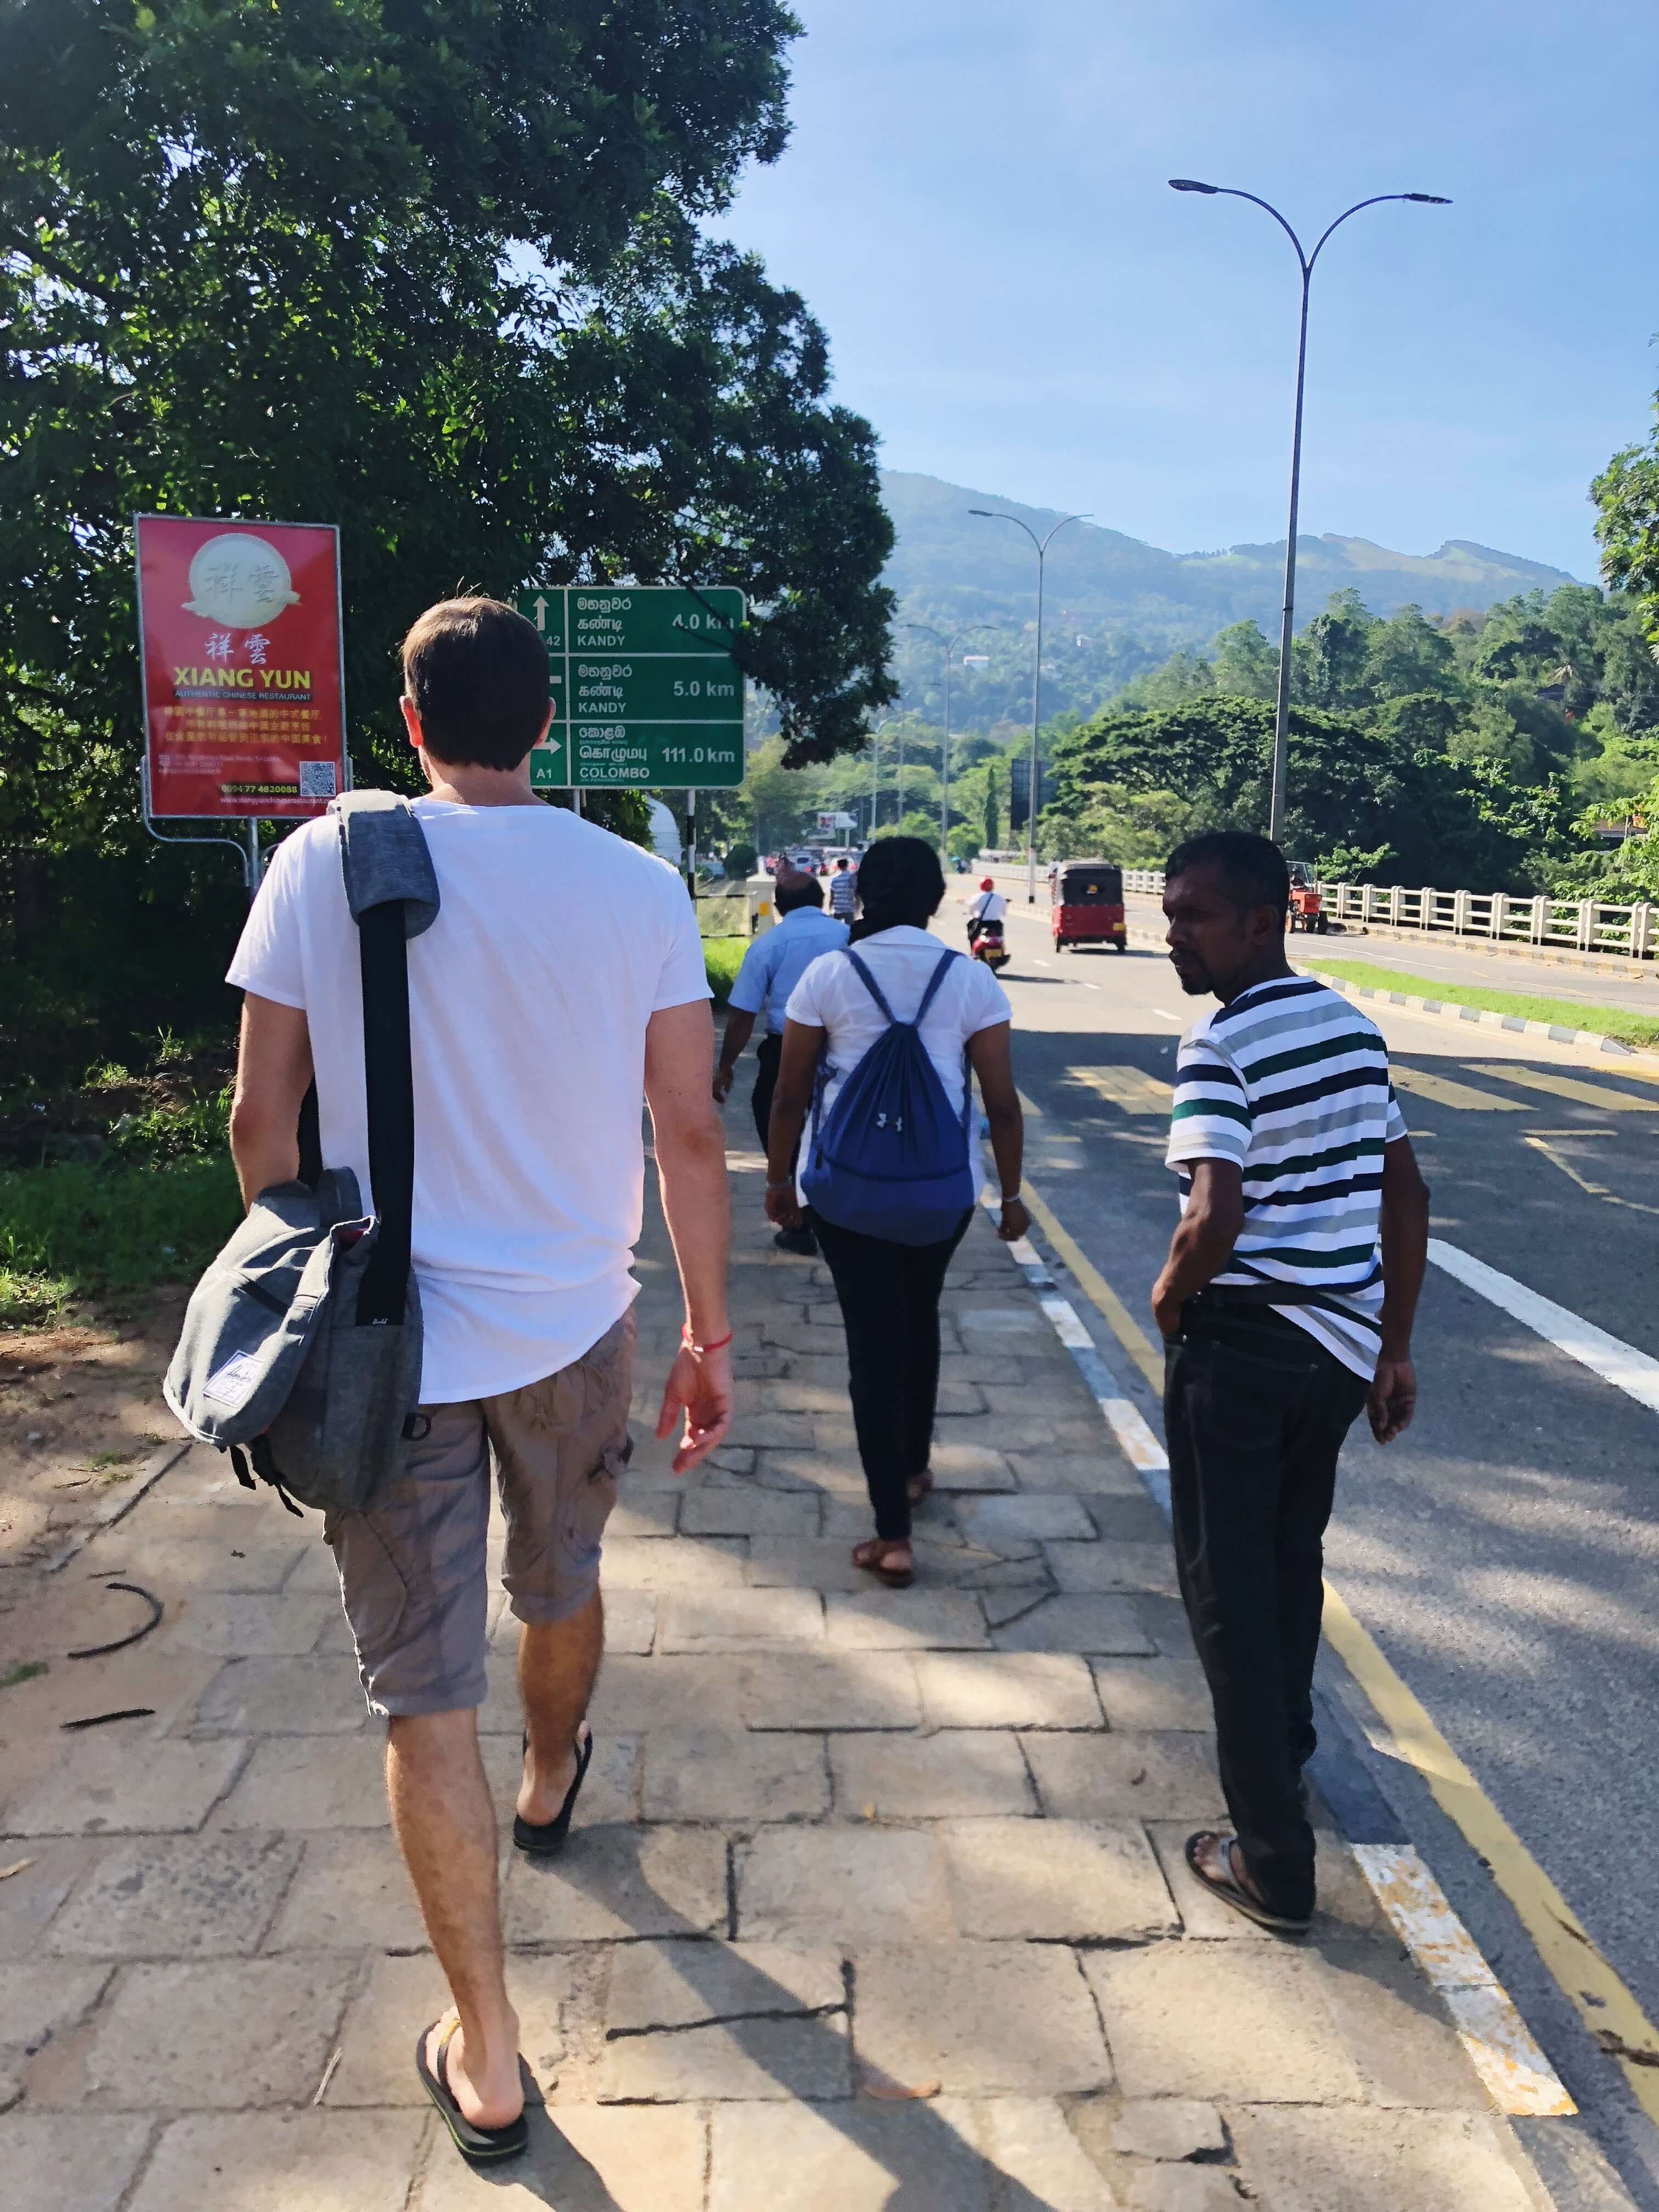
(273,1074)
(679,1053)
(1204,1239)
(1405,1242)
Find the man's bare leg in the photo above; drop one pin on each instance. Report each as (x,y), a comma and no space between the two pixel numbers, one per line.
(558,1666)
(446,1827)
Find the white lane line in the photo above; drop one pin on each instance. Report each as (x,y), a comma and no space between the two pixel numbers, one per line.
(1090,986)
(1501,2046)
(1614,1361)
(1168,1015)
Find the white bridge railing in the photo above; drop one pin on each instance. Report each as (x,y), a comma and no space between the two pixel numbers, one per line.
(1578,924)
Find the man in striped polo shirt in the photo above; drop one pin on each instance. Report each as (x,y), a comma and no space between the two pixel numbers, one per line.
(1285,1305)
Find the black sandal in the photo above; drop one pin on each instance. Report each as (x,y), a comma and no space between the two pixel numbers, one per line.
(477,2146)
(545,1840)
(1229,1888)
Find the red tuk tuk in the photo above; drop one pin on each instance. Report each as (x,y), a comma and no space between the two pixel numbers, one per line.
(1088,905)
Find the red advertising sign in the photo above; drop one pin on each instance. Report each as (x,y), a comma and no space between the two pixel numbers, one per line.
(238,629)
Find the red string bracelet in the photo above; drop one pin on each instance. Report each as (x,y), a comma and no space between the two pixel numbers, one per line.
(698,1349)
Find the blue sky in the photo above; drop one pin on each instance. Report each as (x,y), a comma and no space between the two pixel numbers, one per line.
(974,203)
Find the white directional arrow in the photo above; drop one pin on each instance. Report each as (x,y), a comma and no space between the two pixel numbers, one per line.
(540,612)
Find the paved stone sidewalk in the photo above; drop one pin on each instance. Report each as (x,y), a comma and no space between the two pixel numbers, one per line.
(876,1898)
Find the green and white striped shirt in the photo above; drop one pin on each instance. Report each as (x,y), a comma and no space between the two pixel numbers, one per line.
(1290,1082)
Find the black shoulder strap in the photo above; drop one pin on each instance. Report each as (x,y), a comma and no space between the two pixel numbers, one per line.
(390,1082)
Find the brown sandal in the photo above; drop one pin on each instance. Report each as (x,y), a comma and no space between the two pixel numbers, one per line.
(872,1557)
(919,1485)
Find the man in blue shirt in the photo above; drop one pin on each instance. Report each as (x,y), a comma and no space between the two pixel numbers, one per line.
(771,968)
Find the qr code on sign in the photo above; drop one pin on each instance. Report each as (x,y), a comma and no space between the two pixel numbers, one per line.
(317,778)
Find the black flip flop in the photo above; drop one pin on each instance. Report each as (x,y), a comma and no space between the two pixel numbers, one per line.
(545,1840)
(1231,1891)
(477,2146)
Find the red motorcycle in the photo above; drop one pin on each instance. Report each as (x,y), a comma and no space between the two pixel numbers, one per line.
(985,943)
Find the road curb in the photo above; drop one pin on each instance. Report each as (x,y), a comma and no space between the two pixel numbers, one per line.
(116,1509)
(1485,1017)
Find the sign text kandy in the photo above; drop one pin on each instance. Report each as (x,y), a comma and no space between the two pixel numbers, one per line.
(645,690)
(239,633)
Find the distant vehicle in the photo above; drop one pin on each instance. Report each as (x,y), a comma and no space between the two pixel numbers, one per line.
(1087,904)
(1307,907)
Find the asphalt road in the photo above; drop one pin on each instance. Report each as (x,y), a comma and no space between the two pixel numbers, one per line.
(1442,960)
(1505,1551)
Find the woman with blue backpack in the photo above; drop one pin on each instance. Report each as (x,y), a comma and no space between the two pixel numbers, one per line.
(877,1043)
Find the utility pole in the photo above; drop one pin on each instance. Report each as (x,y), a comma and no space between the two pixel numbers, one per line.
(1042,546)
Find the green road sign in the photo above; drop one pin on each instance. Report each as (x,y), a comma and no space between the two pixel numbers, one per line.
(645,690)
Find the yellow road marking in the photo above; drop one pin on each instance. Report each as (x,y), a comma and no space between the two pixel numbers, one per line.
(1593,1189)
(1444,1092)
(1614,2019)
(1127,1087)
(1564,1086)
(1099,1292)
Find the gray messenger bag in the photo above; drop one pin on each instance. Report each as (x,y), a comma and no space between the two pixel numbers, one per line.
(301,1353)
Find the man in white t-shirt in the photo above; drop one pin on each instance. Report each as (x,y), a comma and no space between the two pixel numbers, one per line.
(562,983)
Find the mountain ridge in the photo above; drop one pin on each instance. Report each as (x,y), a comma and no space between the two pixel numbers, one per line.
(956,563)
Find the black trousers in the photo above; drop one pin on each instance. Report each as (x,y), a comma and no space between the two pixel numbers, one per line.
(1254,1413)
(767,1053)
(890,1295)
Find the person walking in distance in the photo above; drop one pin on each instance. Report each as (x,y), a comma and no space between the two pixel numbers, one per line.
(562,980)
(1285,1304)
(888,1290)
(771,968)
(843,890)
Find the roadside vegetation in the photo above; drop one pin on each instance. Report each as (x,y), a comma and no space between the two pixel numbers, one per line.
(116,1182)
(1638,1031)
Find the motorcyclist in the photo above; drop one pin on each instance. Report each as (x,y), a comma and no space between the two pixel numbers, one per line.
(989,905)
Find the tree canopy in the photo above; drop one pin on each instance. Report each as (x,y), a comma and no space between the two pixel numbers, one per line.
(435,273)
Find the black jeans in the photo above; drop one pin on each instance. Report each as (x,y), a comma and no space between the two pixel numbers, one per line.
(1255,1413)
(889,1297)
(767,1053)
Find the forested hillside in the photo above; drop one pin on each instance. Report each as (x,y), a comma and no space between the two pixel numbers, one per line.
(1480,751)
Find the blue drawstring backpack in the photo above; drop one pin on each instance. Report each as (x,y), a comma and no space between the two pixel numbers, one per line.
(890,1159)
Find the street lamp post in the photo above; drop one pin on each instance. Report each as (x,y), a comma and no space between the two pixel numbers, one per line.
(927,630)
(1042,544)
(1281,721)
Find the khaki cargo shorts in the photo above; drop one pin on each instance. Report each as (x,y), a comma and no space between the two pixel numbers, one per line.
(413,1570)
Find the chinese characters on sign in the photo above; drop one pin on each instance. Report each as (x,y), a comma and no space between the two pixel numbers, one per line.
(238,627)
(646,693)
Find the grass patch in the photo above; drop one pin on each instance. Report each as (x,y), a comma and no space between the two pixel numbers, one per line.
(22,1670)
(722,956)
(69,1229)
(1617,1022)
